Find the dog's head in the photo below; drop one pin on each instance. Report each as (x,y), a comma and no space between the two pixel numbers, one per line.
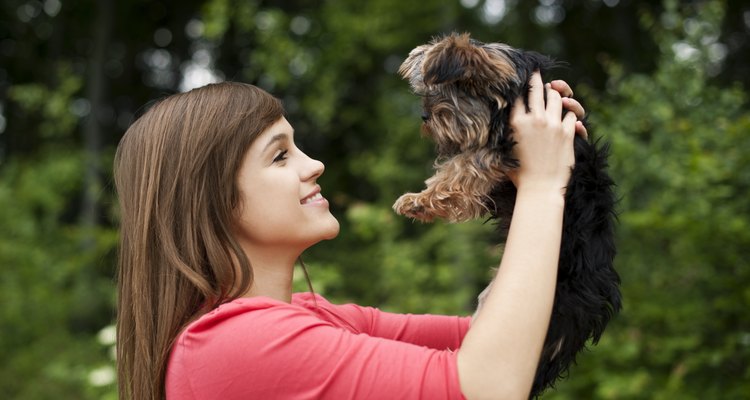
(468,88)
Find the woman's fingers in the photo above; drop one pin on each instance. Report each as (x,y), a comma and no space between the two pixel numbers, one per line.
(536,94)
(569,123)
(518,107)
(558,98)
(554,103)
(571,104)
(562,87)
(581,130)
(575,106)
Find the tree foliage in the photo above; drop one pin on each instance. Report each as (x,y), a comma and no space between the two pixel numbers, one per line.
(662,82)
(681,147)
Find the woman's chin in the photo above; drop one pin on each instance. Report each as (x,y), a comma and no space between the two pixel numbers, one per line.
(328,232)
(333,230)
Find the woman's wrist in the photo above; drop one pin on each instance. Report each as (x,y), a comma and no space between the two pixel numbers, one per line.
(538,192)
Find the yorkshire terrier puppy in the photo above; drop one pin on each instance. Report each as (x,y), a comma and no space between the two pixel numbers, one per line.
(468,88)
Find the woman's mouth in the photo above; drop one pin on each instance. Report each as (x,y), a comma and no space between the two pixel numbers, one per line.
(311,199)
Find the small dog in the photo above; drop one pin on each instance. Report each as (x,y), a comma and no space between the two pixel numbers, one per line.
(468,88)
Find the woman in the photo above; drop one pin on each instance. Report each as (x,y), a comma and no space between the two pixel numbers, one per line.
(217,204)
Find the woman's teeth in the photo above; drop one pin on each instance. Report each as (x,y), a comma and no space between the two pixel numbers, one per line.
(317,196)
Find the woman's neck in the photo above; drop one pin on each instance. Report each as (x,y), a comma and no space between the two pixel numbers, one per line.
(272,275)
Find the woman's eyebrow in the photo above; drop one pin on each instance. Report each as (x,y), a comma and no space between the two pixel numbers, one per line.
(276,138)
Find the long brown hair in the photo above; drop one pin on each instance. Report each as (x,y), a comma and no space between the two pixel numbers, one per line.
(175,173)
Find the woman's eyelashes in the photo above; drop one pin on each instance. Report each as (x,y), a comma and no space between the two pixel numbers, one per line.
(281,156)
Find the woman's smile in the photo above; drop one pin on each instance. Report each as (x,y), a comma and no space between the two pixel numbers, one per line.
(315,198)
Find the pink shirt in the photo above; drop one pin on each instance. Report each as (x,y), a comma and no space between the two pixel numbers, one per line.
(260,348)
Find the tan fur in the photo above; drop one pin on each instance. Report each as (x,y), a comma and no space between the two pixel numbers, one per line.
(458,191)
(459,124)
(446,129)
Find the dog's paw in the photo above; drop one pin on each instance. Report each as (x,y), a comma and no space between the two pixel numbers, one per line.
(410,205)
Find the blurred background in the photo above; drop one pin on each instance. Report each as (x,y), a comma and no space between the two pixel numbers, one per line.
(666,83)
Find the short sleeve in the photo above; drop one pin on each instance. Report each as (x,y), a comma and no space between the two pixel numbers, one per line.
(285,352)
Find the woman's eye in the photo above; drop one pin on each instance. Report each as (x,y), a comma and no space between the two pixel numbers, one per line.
(281,156)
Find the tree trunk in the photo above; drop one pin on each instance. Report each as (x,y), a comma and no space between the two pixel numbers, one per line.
(92,130)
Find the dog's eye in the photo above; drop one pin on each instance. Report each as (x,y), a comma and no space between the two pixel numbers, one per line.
(425,116)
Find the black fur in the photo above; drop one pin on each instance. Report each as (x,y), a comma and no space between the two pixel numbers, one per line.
(587,294)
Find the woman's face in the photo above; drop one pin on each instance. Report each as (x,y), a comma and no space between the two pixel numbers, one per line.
(282,208)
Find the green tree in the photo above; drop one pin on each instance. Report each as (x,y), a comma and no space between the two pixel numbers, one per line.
(681,149)
(55,289)
(62,76)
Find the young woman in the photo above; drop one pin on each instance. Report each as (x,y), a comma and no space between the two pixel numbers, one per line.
(217,204)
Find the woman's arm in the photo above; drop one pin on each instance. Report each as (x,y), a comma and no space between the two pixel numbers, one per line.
(438,332)
(499,355)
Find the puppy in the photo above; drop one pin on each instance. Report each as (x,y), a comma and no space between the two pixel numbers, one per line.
(468,88)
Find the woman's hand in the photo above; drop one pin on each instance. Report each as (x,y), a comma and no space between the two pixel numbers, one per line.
(545,137)
(571,104)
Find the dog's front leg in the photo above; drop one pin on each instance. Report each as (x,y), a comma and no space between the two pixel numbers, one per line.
(458,191)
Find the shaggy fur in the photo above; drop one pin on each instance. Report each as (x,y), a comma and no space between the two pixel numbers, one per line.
(468,88)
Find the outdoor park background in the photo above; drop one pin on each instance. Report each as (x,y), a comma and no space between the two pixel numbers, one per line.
(665,82)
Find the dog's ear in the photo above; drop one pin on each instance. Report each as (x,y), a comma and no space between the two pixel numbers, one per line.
(411,68)
(456,58)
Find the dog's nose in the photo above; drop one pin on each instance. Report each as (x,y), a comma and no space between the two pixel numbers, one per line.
(425,117)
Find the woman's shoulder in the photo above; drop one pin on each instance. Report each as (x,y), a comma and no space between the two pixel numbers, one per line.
(260,320)
(257,315)
(310,300)
(253,310)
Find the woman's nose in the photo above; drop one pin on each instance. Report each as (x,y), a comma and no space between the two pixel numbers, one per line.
(313,169)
